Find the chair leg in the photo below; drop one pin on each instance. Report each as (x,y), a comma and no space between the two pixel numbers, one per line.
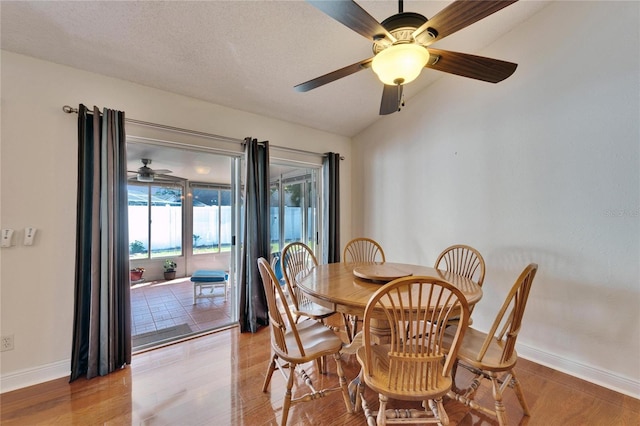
(369,415)
(347,327)
(454,370)
(381,420)
(357,391)
(437,408)
(497,396)
(287,396)
(354,325)
(270,370)
(343,383)
(515,384)
(321,364)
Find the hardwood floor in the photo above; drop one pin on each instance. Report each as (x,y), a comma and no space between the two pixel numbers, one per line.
(217,380)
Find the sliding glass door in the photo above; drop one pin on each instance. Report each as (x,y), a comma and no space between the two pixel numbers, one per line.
(294,206)
(188,216)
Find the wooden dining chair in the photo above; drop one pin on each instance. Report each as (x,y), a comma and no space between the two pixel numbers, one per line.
(492,355)
(296,344)
(358,251)
(297,258)
(465,261)
(411,369)
(362,250)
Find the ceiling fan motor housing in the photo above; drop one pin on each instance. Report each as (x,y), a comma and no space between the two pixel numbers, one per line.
(144,176)
(401,26)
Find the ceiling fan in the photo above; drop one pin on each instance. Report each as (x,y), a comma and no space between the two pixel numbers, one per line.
(147,174)
(401,46)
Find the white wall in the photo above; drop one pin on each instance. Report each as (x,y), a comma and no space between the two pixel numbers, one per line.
(38,188)
(543,167)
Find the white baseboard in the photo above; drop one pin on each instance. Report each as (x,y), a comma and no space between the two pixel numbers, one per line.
(34,376)
(591,374)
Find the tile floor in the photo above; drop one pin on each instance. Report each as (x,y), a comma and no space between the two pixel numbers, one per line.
(156,305)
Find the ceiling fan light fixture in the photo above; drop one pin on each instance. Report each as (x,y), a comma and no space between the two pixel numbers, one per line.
(144,177)
(400,63)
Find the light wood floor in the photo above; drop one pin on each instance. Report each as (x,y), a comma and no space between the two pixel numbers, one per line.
(217,380)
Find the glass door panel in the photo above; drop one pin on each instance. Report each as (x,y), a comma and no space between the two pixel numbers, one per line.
(294,215)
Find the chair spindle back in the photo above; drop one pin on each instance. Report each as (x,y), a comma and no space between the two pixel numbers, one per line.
(296,258)
(508,322)
(417,310)
(280,316)
(363,250)
(462,260)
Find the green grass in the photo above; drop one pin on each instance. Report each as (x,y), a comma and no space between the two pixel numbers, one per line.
(176,252)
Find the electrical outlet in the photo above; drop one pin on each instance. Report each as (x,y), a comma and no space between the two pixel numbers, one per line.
(7,343)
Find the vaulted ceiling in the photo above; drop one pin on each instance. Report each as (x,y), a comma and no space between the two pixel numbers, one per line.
(246,55)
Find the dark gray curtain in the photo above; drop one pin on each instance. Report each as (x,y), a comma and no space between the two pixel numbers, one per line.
(331,226)
(256,236)
(102,316)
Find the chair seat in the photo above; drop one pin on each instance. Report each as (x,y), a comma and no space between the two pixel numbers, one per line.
(314,311)
(317,340)
(470,348)
(379,381)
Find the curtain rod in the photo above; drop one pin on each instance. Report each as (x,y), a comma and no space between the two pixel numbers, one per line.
(69,110)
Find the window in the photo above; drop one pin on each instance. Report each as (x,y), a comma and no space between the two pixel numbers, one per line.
(211,218)
(155,220)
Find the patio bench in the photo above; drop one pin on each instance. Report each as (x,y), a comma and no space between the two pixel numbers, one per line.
(208,279)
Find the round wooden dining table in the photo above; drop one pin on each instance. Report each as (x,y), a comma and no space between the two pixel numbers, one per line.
(348,288)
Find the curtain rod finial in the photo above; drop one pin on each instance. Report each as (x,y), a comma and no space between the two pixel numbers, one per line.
(69,109)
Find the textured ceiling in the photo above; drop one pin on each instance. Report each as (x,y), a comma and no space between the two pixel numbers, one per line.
(245,55)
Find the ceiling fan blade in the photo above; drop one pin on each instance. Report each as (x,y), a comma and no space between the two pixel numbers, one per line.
(169,177)
(472,66)
(350,14)
(458,15)
(160,171)
(391,98)
(333,76)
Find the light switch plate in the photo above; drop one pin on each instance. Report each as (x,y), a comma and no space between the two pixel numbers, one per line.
(29,235)
(5,237)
